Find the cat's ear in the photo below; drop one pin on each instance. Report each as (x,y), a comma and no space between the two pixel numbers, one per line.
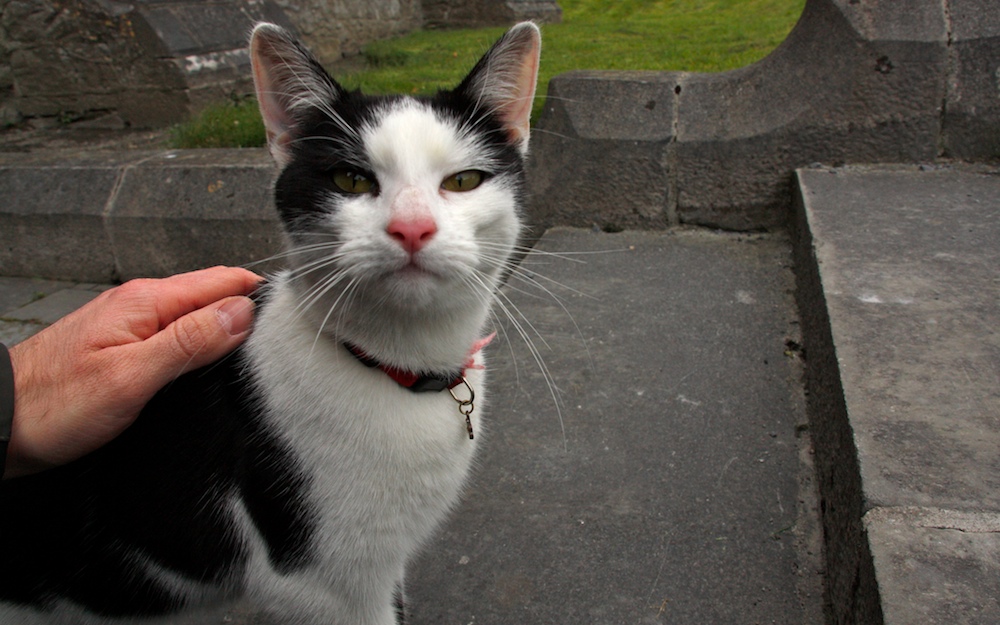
(504,80)
(289,82)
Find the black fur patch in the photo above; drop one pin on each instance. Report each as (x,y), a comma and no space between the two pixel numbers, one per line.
(162,491)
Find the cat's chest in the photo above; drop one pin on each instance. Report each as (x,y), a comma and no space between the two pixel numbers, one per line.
(353,428)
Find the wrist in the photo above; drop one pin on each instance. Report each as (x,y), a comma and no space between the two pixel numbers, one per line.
(19,459)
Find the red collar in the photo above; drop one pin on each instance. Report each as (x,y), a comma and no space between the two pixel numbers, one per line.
(419,382)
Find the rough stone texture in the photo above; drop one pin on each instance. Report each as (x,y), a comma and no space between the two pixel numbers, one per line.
(897,288)
(479,13)
(972,112)
(855,81)
(190,209)
(151,62)
(674,487)
(936,568)
(333,29)
(52,219)
(105,217)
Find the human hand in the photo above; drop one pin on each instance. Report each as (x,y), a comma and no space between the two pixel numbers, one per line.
(80,382)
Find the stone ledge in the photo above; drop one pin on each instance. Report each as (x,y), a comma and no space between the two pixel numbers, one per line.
(853,83)
(897,275)
(106,217)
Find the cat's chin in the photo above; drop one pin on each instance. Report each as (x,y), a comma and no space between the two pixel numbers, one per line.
(413,287)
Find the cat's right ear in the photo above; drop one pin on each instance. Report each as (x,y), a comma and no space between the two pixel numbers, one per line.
(504,80)
(289,82)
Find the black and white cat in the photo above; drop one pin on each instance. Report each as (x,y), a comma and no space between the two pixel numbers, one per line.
(306,469)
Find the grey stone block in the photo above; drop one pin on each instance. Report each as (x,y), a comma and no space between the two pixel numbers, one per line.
(675,491)
(936,567)
(909,264)
(194,208)
(972,113)
(599,155)
(53,219)
(896,286)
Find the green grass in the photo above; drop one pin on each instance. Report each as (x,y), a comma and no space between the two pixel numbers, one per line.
(233,124)
(687,35)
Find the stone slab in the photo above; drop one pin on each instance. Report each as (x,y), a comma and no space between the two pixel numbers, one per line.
(111,216)
(53,221)
(54,306)
(188,209)
(898,273)
(673,483)
(935,568)
(910,266)
(18,292)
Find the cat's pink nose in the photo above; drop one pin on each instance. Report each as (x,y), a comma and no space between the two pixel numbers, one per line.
(412,234)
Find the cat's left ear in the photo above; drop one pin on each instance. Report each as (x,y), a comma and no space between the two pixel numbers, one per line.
(504,80)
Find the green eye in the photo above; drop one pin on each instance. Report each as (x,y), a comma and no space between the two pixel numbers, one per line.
(463,181)
(352,182)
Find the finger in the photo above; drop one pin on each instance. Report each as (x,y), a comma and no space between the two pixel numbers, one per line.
(197,339)
(184,293)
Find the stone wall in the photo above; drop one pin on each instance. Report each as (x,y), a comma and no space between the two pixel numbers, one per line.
(334,29)
(151,63)
(478,13)
(154,62)
(856,81)
(58,57)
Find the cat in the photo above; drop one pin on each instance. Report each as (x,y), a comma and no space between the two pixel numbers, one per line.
(303,472)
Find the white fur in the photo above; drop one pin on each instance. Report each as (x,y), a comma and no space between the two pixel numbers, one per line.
(386,465)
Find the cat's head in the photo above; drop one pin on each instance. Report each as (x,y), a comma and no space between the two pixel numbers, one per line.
(408,202)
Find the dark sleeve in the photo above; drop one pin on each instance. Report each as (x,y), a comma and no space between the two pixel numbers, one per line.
(6,403)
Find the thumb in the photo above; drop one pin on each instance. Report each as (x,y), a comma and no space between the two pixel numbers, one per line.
(202,336)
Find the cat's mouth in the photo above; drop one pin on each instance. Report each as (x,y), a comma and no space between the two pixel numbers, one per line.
(413,272)
(415,268)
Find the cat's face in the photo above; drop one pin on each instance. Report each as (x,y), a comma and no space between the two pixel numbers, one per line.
(404,203)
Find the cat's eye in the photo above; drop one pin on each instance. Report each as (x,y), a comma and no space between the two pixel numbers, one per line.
(352,182)
(463,181)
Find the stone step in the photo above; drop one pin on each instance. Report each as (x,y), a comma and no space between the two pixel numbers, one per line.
(899,288)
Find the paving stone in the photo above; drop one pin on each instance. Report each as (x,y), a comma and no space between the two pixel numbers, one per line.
(18,292)
(53,307)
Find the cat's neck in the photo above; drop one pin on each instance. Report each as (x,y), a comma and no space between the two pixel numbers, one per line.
(427,341)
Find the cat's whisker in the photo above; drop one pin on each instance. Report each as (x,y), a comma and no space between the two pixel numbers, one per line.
(516,271)
(318,290)
(546,131)
(290,253)
(333,307)
(522,325)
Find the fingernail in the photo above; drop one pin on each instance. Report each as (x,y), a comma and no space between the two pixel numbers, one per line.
(236,315)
